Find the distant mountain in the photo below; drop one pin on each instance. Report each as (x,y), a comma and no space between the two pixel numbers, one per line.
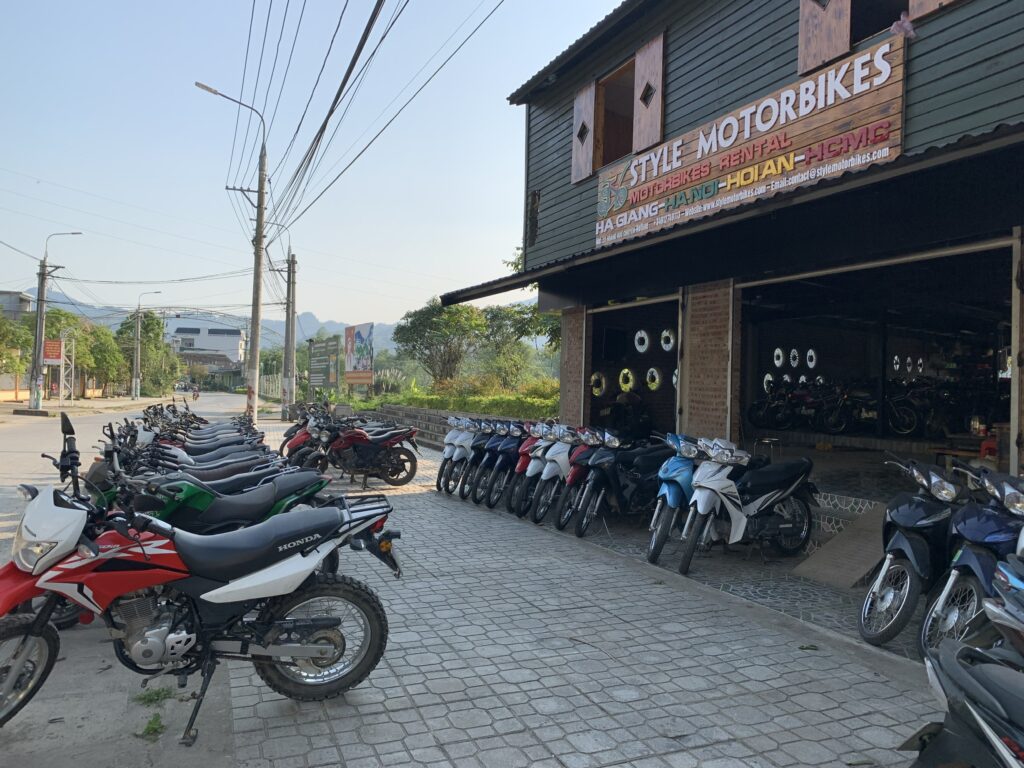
(273,330)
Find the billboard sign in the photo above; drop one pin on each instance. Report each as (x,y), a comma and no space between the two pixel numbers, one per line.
(323,362)
(53,351)
(359,354)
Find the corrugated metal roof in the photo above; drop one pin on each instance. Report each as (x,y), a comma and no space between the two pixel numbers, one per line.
(588,38)
(720,218)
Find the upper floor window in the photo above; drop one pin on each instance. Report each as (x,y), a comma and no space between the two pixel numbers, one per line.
(614,108)
(869,17)
(621,113)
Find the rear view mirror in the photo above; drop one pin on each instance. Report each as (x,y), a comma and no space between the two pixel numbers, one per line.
(65,424)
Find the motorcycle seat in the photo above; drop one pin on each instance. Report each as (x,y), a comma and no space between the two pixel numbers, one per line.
(198,449)
(647,463)
(628,457)
(773,477)
(860,394)
(1006,686)
(239,482)
(220,453)
(383,437)
(225,471)
(252,506)
(227,556)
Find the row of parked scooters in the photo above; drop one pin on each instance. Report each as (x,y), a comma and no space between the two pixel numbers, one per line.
(194,543)
(706,491)
(956,542)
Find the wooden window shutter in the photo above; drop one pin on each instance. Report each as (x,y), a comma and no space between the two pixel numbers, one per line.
(921,7)
(583,133)
(648,94)
(824,32)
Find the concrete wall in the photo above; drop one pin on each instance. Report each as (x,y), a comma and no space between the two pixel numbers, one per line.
(572,364)
(705,373)
(432,425)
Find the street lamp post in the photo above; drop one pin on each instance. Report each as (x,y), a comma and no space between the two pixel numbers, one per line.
(253,358)
(137,360)
(35,399)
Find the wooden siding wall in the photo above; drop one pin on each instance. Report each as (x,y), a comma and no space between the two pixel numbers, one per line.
(962,78)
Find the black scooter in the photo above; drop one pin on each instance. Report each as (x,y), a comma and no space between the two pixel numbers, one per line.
(623,481)
(492,449)
(506,457)
(476,458)
(916,540)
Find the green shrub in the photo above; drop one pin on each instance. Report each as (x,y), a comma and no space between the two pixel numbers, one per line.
(544,388)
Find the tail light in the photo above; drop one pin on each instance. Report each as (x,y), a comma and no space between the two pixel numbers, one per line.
(379,525)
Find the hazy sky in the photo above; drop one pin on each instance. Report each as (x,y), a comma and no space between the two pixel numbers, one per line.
(103,131)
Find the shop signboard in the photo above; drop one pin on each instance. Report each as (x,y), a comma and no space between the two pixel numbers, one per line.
(359,354)
(53,351)
(846,117)
(323,362)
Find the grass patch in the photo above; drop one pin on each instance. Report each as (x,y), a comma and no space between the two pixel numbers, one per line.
(153,728)
(153,696)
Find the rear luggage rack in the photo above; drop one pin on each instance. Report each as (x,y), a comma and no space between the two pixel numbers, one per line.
(362,504)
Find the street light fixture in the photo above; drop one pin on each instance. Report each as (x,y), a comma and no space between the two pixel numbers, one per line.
(137,361)
(35,400)
(253,358)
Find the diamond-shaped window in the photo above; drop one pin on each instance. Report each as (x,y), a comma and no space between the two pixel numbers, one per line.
(647,95)
(822,3)
(582,133)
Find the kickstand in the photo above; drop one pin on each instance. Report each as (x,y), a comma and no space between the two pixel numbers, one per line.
(607,530)
(188,738)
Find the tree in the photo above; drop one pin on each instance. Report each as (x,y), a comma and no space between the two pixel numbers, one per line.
(15,347)
(108,362)
(507,326)
(157,359)
(439,338)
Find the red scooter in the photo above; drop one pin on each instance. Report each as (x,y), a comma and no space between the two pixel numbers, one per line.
(579,460)
(519,473)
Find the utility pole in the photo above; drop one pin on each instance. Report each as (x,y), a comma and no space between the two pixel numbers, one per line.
(253,360)
(137,359)
(288,384)
(35,384)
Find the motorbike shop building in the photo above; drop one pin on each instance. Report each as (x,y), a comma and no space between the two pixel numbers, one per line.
(738,204)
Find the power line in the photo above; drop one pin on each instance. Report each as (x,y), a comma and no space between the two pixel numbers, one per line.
(288,66)
(238,110)
(255,87)
(400,110)
(18,250)
(193,279)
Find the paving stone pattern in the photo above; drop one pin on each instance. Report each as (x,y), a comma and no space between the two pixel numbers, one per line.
(513,647)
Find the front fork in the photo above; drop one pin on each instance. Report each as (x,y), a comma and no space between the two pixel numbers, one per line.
(940,603)
(657,513)
(877,584)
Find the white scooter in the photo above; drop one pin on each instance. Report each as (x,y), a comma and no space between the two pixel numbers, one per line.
(522,492)
(449,448)
(459,463)
(556,469)
(767,504)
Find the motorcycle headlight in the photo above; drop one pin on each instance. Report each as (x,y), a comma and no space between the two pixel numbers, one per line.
(324,435)
(502,429)
(920,478)
(942,489)
(1013,499)
(612,441)
(516,432)
(28,553)
(991,489)
(722,456)
(688,450)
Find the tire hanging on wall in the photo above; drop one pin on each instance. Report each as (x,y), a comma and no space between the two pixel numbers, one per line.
(654,379)
(778,357)
(598,384)
(811,357)
(668,340)
(794,358)
(642,341)
(767,383)
(627,380)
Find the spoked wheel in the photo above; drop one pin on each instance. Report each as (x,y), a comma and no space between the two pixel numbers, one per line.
(950,620)
(797,513)
(835,421)
(25,662)
(440,472)
(888,609)
(356,644)
(546,497)
(317,461)
(567,503)
(399,466)
(466,481)
(697,524)
(481,484)
(664,519)
(453,475)
(589,512)
(496,486)
(903,420)
(65,613)
(514,491)
(527,490)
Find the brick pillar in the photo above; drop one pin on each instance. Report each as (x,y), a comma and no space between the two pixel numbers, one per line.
(705,373)
(570,373)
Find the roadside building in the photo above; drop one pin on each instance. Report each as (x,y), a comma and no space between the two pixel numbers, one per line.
(15,304)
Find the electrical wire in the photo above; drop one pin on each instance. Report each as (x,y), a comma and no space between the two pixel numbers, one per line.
(18,250)
(241,90)
(399,112)
(287,68)
(193,279)
(255,87)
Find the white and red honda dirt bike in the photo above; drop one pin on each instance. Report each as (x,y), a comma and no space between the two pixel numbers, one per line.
(177,603)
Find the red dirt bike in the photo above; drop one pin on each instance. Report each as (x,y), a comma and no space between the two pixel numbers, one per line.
(355,451)
(178,603)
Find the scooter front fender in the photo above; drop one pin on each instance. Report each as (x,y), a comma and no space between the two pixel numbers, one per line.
(705,499)
(448,452)
(551,469)
(16,587)
(461,452)
(535,467)
(980,562)
(915,550)
(673,494)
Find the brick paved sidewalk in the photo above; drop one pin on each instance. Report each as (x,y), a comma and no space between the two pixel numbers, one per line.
(511,646)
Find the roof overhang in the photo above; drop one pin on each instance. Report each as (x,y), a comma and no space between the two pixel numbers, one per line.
(591,37)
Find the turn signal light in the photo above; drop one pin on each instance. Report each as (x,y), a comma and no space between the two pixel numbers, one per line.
(1014,747)
(385,546)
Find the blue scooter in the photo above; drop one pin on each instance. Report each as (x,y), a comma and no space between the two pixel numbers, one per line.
(981,536)
(676,490)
